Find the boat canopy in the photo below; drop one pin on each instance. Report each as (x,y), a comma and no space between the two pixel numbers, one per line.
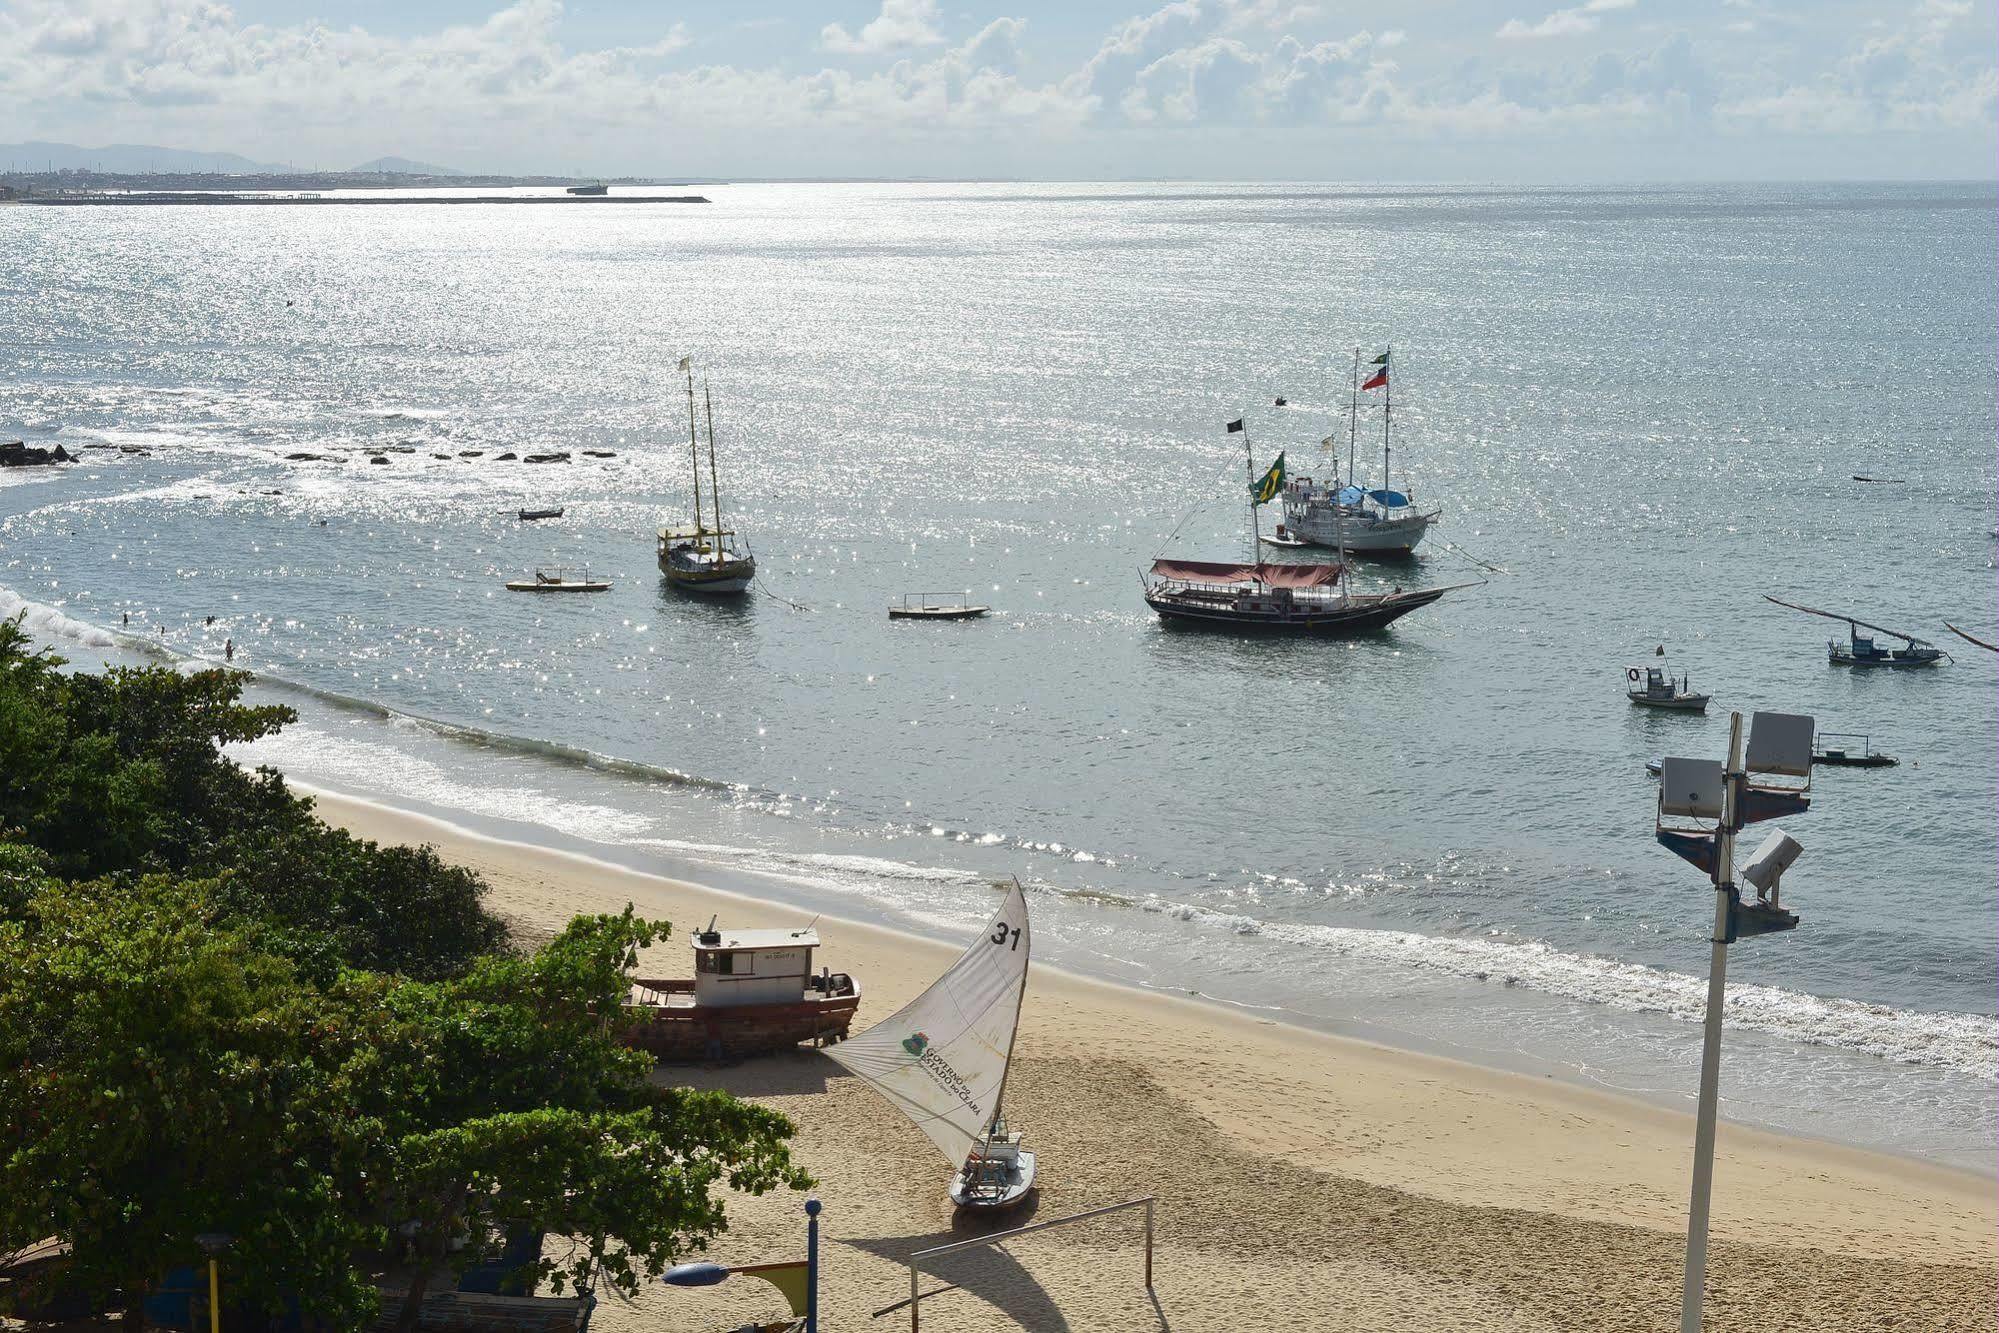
(1276,576)
(1353,495)
(941,1059)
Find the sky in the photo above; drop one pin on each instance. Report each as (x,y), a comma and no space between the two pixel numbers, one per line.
(1519,91)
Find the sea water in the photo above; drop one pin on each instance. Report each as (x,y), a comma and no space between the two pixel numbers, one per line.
(1645,406)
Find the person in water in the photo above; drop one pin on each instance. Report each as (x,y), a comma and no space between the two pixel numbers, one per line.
(229,650)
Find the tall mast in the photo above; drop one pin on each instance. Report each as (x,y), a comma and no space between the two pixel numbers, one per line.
(714,481)
(999,1097)
(1353,417)
(1255,528)
(693,449)
(1387,406)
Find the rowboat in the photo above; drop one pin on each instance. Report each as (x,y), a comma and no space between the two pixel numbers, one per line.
(560,580)
(935,606)
(531,515)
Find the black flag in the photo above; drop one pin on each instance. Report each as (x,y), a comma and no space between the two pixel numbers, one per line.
(1235,425)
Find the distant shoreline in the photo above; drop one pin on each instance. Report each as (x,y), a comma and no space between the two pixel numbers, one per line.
(239,200)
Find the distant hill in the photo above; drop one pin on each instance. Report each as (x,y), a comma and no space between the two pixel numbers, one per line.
(125,157)
(404,167)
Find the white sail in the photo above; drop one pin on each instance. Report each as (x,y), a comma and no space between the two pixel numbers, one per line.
(941,1059)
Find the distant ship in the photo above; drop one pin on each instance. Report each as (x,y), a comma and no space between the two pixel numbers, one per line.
(1365,520)
(703,558)
(588,189)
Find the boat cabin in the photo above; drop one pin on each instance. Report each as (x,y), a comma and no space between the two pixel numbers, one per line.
(733,967)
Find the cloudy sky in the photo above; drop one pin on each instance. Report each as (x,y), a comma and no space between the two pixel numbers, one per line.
(1502,90)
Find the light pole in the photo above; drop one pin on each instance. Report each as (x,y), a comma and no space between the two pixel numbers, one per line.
(214,1244)
(798,1281)
(1695,791)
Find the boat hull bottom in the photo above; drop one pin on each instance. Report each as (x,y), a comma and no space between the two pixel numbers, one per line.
(1019,1182)
(1347,620)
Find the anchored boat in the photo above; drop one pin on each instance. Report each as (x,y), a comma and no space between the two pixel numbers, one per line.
(942,1061)
(935,606)
(1283,598)
(1360,519)
(560,580)
(753,992)
(1652,687)
(701,558)
(1861,651)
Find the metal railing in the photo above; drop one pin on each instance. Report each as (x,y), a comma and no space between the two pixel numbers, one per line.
(915,1297)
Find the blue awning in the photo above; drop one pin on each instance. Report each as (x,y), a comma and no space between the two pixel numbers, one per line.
(1389,499)
(1349,495)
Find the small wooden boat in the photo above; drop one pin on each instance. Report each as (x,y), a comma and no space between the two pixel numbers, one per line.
(560,580)
(935,606)
(531,515)
(1651,687)
(1861,651)
(1845,754)
(1284,541)
(753,992)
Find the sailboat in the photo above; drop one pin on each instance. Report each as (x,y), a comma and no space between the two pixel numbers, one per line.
(1287,598)
(1375,520)
(942,1061)
(1861,651)
(701,558)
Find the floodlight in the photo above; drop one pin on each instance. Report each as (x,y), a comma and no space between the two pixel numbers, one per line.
(1781,743)
(1771,860)
(1690,788)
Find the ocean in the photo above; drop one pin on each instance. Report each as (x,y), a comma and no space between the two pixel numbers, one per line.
(1645,406)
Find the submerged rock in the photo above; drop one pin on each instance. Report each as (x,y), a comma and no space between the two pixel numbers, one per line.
(546,458)
(378,458)
(507,457)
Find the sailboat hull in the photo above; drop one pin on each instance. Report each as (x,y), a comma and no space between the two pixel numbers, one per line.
(1237,614)
(1364,533)
(991,1195)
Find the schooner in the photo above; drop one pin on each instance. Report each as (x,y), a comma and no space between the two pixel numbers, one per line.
(704,558)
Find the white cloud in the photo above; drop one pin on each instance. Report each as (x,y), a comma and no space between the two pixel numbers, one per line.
(1923,74)
(902,25)
(1563,22)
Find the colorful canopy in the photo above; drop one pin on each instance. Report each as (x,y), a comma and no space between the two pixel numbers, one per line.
(1276,576)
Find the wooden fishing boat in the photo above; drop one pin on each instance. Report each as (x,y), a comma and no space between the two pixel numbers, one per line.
(942,1060)
(1651,687)
(1861,651)
(533,515)
(1268,597)
(703,558)
(753,992)
(935,606)
(560,580)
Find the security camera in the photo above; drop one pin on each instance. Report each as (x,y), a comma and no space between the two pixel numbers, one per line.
(1772,859)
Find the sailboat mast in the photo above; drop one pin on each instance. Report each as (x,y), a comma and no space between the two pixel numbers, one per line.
(1255,528)
(693,452)
(1387,408)
(1353,415)
(999,1097)
(714,480)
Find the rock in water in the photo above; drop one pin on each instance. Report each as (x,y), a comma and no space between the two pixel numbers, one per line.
(19,453)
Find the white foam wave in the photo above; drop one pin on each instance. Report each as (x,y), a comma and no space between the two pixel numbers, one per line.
(47,624)
(1963,1043)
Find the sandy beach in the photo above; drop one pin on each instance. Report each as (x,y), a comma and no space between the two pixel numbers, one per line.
(1303,1180)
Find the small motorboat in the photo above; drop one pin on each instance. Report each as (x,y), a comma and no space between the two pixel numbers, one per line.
(935,606)
(1860,650)
(560,580)
(1285,541)
(1651,687)
(530,515)
(1845,754)
(753,992)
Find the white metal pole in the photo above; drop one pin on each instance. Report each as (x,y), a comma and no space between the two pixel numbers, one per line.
(1694,1283)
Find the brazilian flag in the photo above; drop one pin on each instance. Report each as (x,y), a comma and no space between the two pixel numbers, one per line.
(1381,360)
(1264,491)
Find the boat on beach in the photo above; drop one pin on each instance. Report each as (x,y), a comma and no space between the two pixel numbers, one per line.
(701,557)
(1862,651)
(1654,687)
(1360,519)
(753,992)
(942,1060)
(560,580)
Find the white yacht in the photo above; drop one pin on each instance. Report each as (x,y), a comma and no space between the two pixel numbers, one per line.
(1365,520)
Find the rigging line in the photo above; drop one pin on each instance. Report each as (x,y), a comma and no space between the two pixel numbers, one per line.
(1456,549)
(1225,470)
(764,588)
